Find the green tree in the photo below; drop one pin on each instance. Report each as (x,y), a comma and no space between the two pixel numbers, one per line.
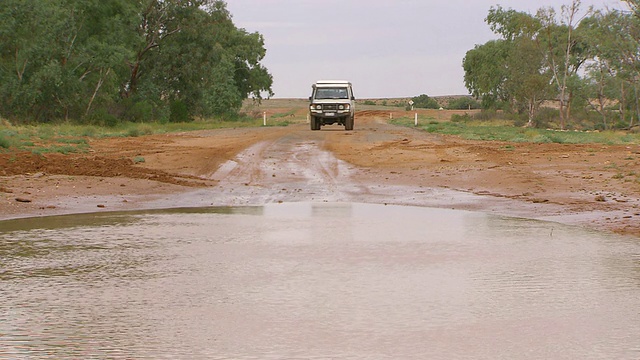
(527,81)
(59,57)
(28,71)
(563,50)
(629,56)
(73,58)
(510,70)
(425,102)
(534,50)
(485,72)
(463,103)
(603,48)
(195,54)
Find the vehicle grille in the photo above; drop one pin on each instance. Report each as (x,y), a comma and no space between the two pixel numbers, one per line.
(330,107)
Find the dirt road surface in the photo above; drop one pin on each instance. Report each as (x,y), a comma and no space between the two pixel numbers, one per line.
(589,185)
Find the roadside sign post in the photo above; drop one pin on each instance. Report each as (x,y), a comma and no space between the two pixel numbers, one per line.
(264,118)
(416,121)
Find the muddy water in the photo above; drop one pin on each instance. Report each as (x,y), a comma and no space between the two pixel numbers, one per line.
(315,281)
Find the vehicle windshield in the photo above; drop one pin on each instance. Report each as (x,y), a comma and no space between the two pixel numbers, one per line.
(331,93)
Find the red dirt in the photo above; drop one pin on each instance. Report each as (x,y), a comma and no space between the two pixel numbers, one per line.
(589,185)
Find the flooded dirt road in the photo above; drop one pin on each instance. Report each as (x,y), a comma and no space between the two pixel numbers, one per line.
(592,185)
(287,243)
(315,281)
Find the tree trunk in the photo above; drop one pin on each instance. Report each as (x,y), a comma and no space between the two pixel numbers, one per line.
(531,113)
(601,102)
(635,88)
(621,105)
(98,86)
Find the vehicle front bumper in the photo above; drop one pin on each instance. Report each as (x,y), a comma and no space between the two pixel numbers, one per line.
(329,113)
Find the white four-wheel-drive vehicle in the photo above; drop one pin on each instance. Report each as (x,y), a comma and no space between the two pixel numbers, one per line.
(332,102)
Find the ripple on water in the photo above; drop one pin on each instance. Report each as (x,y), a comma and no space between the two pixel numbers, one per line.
(315,281)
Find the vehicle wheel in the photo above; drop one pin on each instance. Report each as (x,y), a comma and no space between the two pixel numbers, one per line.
(348,124)
(314,123)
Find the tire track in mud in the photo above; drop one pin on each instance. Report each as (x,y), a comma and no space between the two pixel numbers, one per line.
(288,169)
(303,166)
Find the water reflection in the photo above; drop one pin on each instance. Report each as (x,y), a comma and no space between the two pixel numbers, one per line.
(315,281)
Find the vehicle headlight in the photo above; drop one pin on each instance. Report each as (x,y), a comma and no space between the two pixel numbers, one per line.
(341,107)
(317,107)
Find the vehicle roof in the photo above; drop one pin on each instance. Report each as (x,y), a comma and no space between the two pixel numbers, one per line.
(331,83)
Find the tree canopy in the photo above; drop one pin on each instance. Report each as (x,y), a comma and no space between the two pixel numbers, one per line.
(82,59)
(577,56)
(425,102)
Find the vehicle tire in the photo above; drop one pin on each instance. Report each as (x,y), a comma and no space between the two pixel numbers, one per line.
(348,124)
(314,123)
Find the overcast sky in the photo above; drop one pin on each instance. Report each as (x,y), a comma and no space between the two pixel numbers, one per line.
(386,48)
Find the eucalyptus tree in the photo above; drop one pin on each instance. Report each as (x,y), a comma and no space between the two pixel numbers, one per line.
(511,69)
(58,57)
(527,82)
(603,79)
(630,52)
(563,49)
(192,52)
(533,52)
(75,58)
(485,72)
(26,30)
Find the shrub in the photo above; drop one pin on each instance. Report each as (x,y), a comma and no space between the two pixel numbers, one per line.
(545,116)
(541,139)
(179,112)
(141,111)
(146,129)
(102,117)
(460,118)
(425,102)
(486,115)
(4,142)
(463,103)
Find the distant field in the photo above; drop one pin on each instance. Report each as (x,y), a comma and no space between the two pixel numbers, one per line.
(295,110)
(381,102)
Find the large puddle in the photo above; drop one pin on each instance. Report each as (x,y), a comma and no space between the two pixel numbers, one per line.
(315,281)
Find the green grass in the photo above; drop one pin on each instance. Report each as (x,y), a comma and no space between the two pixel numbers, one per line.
(290,113)
(5,142)
(76,141)
(67,149)
(67,138)
(501,131)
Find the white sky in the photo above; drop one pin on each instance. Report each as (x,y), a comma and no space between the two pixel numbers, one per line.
(386,48)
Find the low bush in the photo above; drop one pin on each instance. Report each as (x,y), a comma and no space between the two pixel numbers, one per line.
(5,143)
(179,112)
(103,118)
(460,118)
(463,103)
(141,111)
